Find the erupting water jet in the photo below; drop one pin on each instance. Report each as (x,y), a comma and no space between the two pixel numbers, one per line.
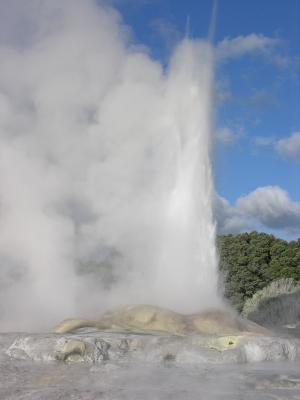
(187,269)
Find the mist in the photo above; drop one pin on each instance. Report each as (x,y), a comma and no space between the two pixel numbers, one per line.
(105,177)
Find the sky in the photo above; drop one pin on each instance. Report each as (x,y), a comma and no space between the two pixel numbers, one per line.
(257,100)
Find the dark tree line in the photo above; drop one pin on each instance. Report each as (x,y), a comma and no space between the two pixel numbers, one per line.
(250,261)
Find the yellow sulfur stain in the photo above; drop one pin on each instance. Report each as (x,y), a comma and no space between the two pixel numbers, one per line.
(223,343)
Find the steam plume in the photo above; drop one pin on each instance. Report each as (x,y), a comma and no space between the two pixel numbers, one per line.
(105,181)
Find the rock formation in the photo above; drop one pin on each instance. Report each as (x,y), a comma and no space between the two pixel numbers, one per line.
(153,318)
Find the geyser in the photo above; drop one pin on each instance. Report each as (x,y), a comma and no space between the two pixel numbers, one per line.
(187,262)
(105,176)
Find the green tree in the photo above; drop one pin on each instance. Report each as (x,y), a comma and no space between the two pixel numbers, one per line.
(250,261)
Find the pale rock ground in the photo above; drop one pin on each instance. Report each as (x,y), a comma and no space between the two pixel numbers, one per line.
(90,365)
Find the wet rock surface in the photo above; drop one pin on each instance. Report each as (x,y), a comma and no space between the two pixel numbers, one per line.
(98,347)
(111,365)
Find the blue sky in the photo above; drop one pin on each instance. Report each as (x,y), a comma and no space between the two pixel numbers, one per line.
(257,107)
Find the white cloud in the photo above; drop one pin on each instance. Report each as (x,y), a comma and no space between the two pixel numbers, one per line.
(225,136)
(263,140)
(240,45)
(222,91)
(228,218)
(262,99)
(272,207)
(289,147)
(266,208)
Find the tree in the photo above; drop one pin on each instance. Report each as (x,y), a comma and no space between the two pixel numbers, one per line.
(250,261)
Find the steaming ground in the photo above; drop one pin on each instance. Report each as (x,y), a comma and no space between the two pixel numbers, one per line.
(264,382)
(100,149)
(147,366)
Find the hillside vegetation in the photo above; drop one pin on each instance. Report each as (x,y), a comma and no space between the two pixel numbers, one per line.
(251,261)
(277,304)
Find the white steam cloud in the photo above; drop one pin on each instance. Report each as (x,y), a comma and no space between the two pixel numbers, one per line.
(87,150)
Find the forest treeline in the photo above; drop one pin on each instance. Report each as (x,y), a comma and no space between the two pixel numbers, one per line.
(250,261)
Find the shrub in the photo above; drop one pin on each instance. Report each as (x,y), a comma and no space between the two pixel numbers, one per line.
(276,304)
